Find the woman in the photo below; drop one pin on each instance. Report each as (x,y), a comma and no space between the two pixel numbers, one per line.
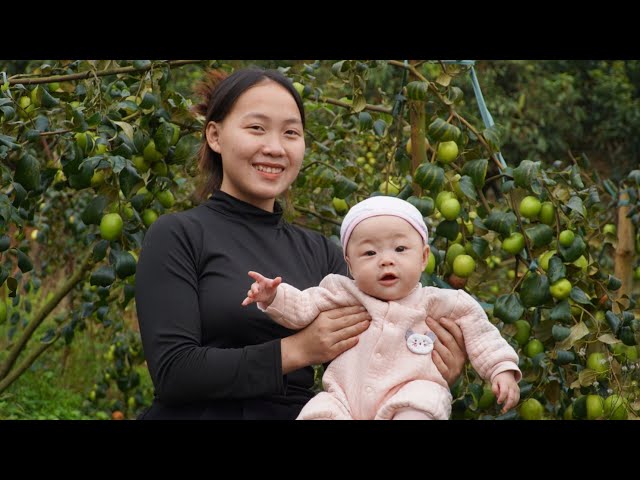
(209,357)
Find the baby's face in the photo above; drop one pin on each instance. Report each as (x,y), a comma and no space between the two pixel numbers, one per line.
(386,256)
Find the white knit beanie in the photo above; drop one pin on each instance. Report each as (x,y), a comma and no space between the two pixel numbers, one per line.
(382,205)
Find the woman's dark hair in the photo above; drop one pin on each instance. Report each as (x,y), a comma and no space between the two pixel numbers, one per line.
(220,92)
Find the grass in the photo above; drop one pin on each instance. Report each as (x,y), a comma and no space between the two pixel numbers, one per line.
(57,385)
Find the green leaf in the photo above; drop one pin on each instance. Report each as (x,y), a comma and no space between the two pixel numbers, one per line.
(417,91)
(48,336)
(479,246)
(526,173)
(406,192)
(429,177)
(540,234)
(534,290)
(467,187)
(564,357)
(379,126)
(186,149)
(130,181)
(149,100)
(508,308)
(117,163)
(125,264)
(578,331)
(9,114)
(28,172)
(577,295)
(501,222)
(477,170)
(441,131)
(162,138)
(586,377)
(4,273)
(573,251)
(365,121)
(9,142)
(126,128)
(343,187)
(92,214)
(627,336)
(560,332)
(574,176)
(448,229)
(103,276)
(556,269)
(561,312)
(575,204)
(613,283)
(359,104)
(4,243)
(425,205)
(48,101)
(492,136)
(129,293)
(100,250)
(613,320)
(24,263)
(141,64)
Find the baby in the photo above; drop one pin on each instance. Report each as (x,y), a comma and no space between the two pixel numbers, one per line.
(389,373)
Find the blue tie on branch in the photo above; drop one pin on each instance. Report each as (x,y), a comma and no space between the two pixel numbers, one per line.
(484,112)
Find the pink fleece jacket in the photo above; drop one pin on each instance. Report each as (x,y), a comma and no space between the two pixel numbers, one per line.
(374,379)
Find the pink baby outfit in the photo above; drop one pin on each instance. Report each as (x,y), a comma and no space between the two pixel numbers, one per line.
(381,377)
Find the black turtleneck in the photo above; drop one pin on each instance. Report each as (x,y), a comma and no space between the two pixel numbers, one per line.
(210,357)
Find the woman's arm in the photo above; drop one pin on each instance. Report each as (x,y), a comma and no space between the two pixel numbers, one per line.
(167,302)
(330,334)
(449,353)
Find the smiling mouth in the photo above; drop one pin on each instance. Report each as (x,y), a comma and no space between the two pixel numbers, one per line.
(268,169)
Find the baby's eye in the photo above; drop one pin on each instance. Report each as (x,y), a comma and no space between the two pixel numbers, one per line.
(256,127)
(369,253)
(400,249)
(292,133)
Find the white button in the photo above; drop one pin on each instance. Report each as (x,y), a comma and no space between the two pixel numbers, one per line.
(378,355)
(368,389)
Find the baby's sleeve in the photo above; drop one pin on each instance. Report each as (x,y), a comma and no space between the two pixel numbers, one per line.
(295,309)
(488,351)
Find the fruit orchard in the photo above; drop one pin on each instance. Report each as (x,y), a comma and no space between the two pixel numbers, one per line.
(93,152)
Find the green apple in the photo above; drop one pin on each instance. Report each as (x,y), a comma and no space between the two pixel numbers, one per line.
(530,207)
(597,361)
(450,209)
(561,289)
(566,238)
(464,265)
(548,213)
(447,151)
(340,205)
(514,243)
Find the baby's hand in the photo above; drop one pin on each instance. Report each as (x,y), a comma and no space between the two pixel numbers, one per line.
(506,390)
(263,289)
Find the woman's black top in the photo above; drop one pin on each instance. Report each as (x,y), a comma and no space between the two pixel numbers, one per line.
(210,357)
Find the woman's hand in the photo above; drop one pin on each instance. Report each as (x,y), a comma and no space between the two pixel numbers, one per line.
(330,334)
(449,353)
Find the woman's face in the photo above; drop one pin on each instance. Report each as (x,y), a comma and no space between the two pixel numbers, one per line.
(261,142)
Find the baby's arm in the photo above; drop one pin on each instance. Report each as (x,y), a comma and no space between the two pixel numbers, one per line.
(296,309)
(263,290)
(489,353)
(506,390)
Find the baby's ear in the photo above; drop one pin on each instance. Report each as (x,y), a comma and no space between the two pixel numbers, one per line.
(425,256)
